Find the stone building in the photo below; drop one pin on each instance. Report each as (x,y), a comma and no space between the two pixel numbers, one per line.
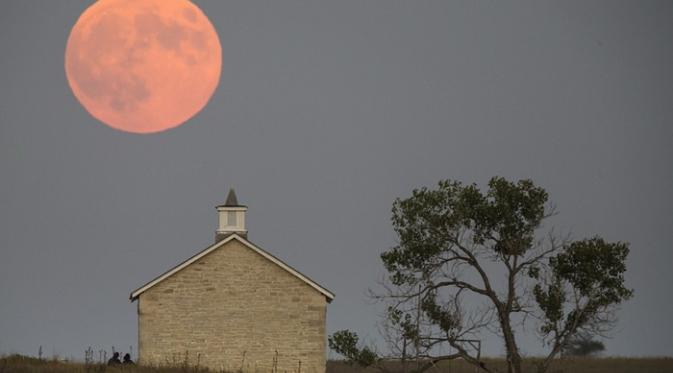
(234,307)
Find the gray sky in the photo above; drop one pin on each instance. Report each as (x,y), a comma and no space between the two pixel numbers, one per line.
(325,113)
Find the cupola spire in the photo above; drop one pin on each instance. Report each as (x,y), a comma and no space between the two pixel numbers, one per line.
(231,201)
(231,218)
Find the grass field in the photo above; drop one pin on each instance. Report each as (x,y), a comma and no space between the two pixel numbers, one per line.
(23,364)
(566,365)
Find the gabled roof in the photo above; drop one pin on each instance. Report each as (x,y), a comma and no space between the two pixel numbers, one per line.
(136,293)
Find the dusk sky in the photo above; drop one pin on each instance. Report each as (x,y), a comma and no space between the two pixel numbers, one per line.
(324,114)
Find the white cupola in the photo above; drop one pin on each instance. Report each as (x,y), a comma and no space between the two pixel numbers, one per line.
(232,218)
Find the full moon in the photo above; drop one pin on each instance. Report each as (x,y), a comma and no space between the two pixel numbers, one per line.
(143,66)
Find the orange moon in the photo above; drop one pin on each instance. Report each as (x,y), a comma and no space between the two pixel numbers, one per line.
(143,66)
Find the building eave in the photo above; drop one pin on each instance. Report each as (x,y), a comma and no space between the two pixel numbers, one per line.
(136,293)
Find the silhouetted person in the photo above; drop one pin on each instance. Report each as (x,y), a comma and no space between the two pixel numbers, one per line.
(114,360)
(127,360)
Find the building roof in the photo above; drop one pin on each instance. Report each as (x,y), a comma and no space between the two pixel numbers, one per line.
(231,201)
(136,293)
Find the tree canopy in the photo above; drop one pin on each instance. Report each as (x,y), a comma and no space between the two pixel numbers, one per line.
(582,344)
(469,262)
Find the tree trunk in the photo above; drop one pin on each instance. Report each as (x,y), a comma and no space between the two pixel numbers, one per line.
(544,365)
(513,357)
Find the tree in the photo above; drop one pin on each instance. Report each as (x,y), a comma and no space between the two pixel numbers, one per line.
(582,344)
(470,262)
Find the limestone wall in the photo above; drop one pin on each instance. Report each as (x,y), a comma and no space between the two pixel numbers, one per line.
(233,310)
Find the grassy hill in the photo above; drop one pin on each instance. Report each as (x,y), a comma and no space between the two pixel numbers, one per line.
(24,364)
(565,365)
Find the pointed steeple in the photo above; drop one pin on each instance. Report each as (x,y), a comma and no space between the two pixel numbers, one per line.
(232,217)
(231,201)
